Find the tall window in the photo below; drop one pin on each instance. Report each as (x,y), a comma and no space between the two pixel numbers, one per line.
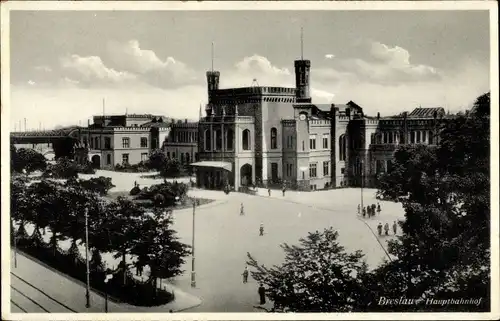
(246,139)
(107,142)
(108,159)
(325,141)
(389,166)
(391,137)
(342,148)
(372,139)
(424,137)
(208,140)
(124,158)
(182,158)
(326,168)
(126,143)
(97,142)
(418,137)
(312,142)
(144,142)
(218,139)
(412,137)
(303,147)
(379,166)
(274,138)
(313,170)
(431,137)
(229,139)
(188,158)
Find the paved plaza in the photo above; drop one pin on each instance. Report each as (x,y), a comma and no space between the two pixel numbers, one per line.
(223,236)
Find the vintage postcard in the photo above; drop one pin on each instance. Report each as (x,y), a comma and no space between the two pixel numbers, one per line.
(249,160)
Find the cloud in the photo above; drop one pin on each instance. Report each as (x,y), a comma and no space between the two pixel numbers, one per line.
(129,56)
(43,68)
(92,70)
(329,56)
(31,83)
(386,65)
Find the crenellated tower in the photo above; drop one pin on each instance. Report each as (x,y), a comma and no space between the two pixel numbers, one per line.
(302,75)
(212,84)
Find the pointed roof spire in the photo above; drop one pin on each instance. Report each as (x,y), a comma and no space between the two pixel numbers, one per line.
(200,114)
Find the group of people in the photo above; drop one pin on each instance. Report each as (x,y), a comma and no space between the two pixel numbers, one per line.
(386,228)
(369,210)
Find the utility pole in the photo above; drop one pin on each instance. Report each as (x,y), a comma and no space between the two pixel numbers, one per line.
(193,273)
(87,292)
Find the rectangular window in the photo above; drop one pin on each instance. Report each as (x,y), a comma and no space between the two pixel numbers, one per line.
(144,142)
(303,147)
(342,170)
(391,136)
(124,158)
(424,137)
(312,142)
(313,170)
(412,138)
(418,137)
(325,141)
(108,159)
(144,157)
(326,168)
(107,143)
(126,143)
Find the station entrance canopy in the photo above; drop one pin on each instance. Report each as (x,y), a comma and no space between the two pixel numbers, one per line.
(214,164)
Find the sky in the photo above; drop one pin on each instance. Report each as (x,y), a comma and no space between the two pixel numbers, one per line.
(65,63)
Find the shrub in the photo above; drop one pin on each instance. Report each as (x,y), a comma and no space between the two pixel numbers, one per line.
(85,168)
(135,191)
(64,168)
(100,185)
(164,194)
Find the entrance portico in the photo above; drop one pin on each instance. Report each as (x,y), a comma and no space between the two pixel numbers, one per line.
(213,174)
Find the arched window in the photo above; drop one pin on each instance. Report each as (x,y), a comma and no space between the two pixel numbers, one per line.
(208,140)
(274,138)
(246,139)
(342,148)
(229,139)
(218,139)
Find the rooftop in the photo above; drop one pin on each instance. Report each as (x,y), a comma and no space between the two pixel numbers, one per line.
(426,112)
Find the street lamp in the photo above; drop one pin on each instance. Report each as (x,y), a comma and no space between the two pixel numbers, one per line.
(108,277)
(362,185)
(87,292)
(193,273)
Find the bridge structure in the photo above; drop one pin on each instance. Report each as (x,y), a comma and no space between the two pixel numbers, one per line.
(51,143)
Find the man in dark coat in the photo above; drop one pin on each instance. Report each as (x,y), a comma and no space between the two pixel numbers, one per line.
(262,294)
(379,228)
(245,275)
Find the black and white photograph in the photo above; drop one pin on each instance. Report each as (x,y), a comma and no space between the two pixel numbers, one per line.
(252,160)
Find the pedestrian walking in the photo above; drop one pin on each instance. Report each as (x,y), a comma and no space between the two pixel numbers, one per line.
(269,191)
(359,209)
(262,294)
(374,208)
(284,190)
(245,275)
(395,228)
(242,209)
(369,211)
(386,228)
(261,229)
(379,228)
(378,208)
(364,211)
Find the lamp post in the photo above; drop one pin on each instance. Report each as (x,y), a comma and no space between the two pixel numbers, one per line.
(15,246)
(362,185)
(193,273)
(87,290)
(108,277)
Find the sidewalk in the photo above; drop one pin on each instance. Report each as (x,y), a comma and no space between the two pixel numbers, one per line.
(72,292)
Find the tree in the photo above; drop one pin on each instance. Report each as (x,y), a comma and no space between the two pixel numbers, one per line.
(171,169)
(445,247)
(27,159)
(19,205)
(159,247)
(317,276)
(65,168)
(157,160)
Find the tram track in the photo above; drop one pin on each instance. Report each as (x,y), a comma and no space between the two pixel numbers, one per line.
(37,299)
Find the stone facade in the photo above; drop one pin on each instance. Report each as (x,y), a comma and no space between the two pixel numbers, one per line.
(182,142)
(275,136)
